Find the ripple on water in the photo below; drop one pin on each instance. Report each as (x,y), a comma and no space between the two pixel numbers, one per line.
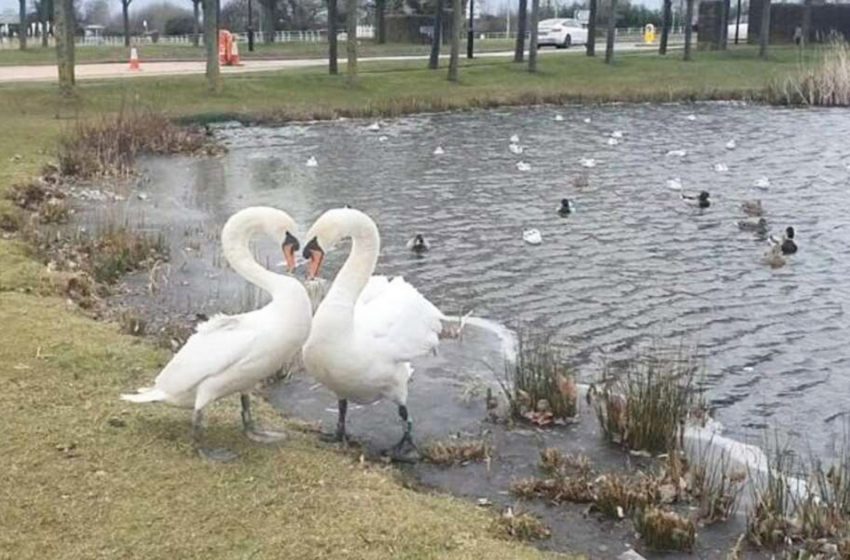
(633,261)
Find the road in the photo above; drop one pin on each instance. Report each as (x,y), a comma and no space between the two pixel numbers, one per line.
(48,73)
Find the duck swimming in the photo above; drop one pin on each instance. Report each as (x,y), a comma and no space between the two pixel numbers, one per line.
(532,237)
(752,208)
(566,207)
(774,257)
(700,200)
(311,162)
(759,226)
(418,244)
(787,244)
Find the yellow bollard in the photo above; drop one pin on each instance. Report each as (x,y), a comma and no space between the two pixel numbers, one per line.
(649,33)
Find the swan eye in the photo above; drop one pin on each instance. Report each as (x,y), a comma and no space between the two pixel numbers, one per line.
(313,245)
(291,240)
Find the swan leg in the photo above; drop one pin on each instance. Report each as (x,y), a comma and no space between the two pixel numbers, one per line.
(339,436)
(405,450)
(250,428)
(220,455)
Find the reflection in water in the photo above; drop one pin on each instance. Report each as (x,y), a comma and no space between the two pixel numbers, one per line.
(631,262)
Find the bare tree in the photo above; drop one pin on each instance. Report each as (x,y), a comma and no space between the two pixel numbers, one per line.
(436,37)
(333,49)
(64,35)
(591,29)
(764,33)
(380,22)
(44,9)
(351,40)
(532,43)
(457,31)
(666,21)
(521,28)
(270,19)
(612,32)
(806,27)
(211,45)
(125,12)
(689,27)
(196,23)
(22,26)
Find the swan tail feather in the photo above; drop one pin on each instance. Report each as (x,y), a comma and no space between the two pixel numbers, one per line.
(145,395)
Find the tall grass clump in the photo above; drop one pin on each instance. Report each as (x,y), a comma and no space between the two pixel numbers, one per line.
(539,385)
(825,82)
(665,530)
(646,404)
(110,145)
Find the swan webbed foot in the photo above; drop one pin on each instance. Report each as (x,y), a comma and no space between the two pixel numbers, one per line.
(218,455)
(265,436)
(405,451)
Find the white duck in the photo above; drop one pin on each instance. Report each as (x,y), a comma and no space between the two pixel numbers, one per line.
(231,353)
(532,236)
(312,162)
(368,328)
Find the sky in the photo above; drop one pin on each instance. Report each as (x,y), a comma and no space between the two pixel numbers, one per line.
(491,5)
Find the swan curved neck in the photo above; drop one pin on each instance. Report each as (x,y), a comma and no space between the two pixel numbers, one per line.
(361,261)
(235,242)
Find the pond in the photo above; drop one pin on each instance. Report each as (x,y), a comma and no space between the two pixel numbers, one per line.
(632,263)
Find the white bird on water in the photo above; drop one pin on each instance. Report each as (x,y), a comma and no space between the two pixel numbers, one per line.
(677,153)
(532,236)
(382,139)
(514,139)
(613,141)
(691,117)
(586,120)
(762,182)
(617,134)
(438,151)
(674,184)
(311,161)
(374,127)
(721,167)
(587,162)
(731,144)
(559,117)
(515,149)
(523,166)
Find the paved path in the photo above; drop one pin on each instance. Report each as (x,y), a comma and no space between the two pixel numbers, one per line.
(48,73)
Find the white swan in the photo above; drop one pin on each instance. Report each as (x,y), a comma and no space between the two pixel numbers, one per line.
(587,162)
(677,153)
(515,149)
(523,166)
(675,184)
(731,144)
(613,141)
(617,134)
(514,139)
(721,167)
(312,162)
(231,353)
(374,127)
(438,151)
(559,117)
(762,182)
(368,328)
(586,120)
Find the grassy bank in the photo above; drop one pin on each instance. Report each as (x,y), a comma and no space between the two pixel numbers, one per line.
(150,52)
(84,475)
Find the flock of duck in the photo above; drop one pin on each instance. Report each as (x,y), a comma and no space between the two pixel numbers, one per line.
(358,343)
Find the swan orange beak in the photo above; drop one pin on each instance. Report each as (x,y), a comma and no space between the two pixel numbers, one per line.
(315,256)
(290,245)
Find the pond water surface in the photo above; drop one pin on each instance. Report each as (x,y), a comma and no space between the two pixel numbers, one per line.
(633,262)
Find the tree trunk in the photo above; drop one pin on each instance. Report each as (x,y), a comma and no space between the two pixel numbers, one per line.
(196,29)
(724,21)
(211,45)
(521,28)
(591,30)
(125,10)
(22,26)
(457,30)
(532,43)
(806,27)
(437,37)
(380,21)
(666,20)
(470,34)
(270,9)
(612,32)
(764,33)
(689,17)
(44,19)
(351,40)
(64,36)
(333,51)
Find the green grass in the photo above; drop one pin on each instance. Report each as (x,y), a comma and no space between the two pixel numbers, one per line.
(149,52)
(84,475)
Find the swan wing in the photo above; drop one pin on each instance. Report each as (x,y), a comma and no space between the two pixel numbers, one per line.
(215,347)
(400,322)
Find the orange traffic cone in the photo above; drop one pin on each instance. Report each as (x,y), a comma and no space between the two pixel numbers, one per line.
(134,59)
(234,54)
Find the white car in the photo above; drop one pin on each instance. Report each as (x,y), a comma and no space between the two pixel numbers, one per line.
(560,33)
